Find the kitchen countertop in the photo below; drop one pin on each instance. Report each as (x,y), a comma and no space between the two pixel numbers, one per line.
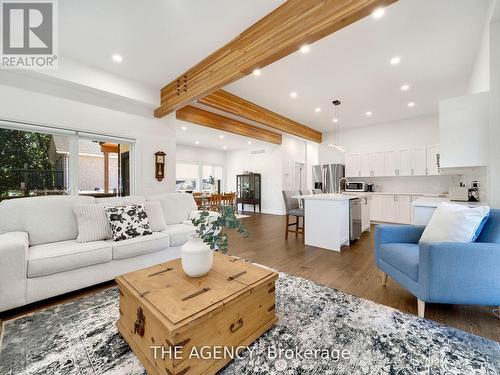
(324,197)
(434,202)
(365,193)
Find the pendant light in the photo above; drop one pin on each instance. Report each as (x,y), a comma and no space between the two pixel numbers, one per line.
(336,126)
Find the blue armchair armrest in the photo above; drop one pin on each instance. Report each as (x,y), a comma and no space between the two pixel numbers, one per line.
(393,233)
(461,273)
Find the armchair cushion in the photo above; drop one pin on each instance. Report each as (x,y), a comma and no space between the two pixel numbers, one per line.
(402,256)
(394,233)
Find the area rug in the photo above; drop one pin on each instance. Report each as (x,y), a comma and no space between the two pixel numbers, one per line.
(346,334)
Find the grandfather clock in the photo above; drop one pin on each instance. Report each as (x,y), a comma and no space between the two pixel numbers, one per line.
(160,165)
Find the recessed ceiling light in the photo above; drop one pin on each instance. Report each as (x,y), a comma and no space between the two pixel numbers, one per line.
(117,58)
(196,142)
(317,109)
(395,60)
(257,72)
(249,142)
(293,94)
(221,136)
(224,147)
(378,13)
(305,48)
(411,104)
(369,113)
(335,120)
(184,127)
(405,87)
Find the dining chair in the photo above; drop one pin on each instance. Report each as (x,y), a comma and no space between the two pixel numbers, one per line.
(293,209)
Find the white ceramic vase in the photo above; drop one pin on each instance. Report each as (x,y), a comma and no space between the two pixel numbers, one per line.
(197,257)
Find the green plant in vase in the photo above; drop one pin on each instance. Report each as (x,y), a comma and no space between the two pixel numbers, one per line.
(209,227)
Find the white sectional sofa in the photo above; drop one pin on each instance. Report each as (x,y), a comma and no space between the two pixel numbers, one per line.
(41,258)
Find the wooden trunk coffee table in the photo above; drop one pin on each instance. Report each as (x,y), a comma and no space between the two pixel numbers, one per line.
(162,310)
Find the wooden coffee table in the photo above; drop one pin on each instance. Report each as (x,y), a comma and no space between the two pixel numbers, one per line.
(162,310)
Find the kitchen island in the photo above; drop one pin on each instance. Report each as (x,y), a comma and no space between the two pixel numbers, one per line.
(326,220)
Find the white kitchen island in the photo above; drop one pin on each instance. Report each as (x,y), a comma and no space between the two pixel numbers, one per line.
(326,220)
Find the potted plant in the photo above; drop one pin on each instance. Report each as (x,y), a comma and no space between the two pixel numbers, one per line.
(197,253)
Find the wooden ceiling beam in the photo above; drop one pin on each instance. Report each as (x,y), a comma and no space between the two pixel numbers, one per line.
(278,34)
(227,102)
(215,121)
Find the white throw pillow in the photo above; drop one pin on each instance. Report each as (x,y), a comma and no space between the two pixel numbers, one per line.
(155,216)
(93,224)
(454,223)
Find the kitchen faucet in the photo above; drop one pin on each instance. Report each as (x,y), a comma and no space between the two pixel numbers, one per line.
(340,180)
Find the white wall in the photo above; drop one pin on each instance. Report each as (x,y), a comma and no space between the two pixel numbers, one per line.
(494,165)
(294,151)
(151,134)
(480,77)
(269,164)
(200,155)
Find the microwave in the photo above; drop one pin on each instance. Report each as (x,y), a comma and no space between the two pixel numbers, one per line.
(355,186)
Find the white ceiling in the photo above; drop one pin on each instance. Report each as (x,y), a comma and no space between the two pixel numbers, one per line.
(437,41)
(158,39)
(210,138)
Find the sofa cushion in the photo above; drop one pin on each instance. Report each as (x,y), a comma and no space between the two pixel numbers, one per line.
(402,256)
(117,201)
(454,223)
(63,256)
(155,216)
(176,206)
(128,222)
(45,219)
(93,224)
(179,233)
(140,245)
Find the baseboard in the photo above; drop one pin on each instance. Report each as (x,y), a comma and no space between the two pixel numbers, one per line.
(272,212)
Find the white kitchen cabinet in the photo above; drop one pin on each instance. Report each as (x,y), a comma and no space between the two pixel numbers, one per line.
(403,209)
(366,164)
(404,167)
(391,162)
(376,204)
(389,209)
(419,161)
(433,160)
(353,165)
(378,164)
(365,213)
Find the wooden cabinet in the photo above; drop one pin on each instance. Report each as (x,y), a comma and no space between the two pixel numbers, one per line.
(391,208)
(391,163)
(366,165)
(403,209)
(378,164)
(419,161)
(404,165)
(376,204)
(433,160)
(365,213)
(353,165)
(248,190)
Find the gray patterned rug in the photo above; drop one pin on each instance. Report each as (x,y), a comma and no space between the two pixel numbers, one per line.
(80,338)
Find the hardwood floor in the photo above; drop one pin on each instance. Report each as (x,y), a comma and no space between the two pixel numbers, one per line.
(352,271)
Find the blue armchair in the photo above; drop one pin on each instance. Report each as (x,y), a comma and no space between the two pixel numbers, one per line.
(458,273)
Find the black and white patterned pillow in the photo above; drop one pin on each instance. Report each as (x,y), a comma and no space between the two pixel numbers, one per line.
(128,221)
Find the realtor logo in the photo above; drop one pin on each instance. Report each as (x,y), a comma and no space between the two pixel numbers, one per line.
(28,34)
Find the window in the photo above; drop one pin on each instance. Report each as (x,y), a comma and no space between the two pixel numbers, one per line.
(197,177)
(187,177)
(30,164)
(36,160)
(104,168)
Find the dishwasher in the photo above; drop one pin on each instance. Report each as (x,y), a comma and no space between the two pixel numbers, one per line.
(354,219)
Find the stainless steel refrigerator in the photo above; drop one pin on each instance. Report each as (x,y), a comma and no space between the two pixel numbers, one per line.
(326,177)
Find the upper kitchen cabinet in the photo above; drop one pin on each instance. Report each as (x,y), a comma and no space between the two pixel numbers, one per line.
(433,160)
(353,165)
(378,164)
(419,161)
(463,131)
(366,164)
(391,163)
